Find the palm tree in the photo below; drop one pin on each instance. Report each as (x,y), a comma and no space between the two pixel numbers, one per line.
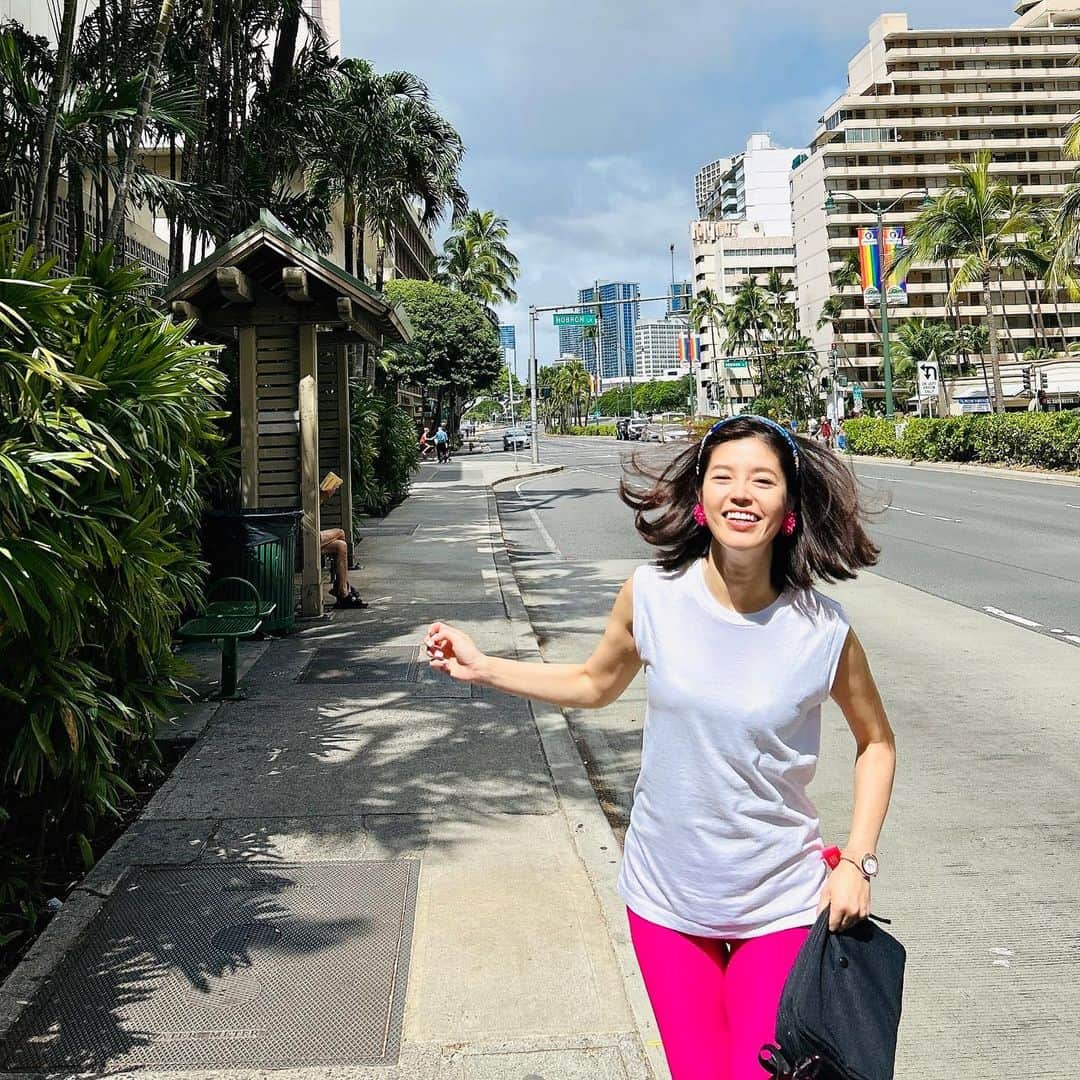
(382,145)
(973,221)
(918,341)
(477,261)
(706,308)
(753,305)
(135,139)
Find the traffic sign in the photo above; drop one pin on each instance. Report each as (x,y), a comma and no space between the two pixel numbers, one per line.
(737,364)
(575,318)
(928,378)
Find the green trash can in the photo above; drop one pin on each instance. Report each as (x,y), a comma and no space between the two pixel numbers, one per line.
(258,546)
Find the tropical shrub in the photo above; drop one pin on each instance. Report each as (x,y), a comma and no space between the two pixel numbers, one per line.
(592,429)
(1041,440)
(384,449)
(106,417)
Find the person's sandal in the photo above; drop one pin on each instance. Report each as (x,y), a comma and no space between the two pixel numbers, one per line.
(350,600)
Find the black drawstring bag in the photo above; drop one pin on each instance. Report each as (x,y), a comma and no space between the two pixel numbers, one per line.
(840,1009)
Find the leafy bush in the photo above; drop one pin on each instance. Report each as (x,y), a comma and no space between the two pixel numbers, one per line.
(106,417)
(1042,440)
(592,429)
(871,435)
(384,448)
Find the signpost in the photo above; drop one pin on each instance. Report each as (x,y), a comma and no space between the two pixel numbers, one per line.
(574,318)
(737,365)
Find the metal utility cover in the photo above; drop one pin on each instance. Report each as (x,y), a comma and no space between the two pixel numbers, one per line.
(380,664)
(238,965)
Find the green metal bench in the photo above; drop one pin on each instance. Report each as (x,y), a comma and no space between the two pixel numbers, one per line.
(227,621)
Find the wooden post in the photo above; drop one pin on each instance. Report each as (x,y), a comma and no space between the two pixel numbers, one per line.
(311,601)
(249,420)
(341,353)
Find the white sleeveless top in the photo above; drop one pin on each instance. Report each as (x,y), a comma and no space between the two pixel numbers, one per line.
(723,840)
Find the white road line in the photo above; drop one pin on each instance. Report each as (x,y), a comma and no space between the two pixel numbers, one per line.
(1073,638)
(545,535)
(1012,618)
(887,479)
(1072,506)
(904,509)
(919,513)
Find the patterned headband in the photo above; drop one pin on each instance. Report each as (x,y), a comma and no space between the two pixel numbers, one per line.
(757,419)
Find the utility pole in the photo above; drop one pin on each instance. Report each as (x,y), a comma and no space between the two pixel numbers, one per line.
(535,440)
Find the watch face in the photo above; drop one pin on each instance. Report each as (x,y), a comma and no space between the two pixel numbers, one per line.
(869,865)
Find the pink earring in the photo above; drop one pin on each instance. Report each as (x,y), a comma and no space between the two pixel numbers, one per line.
(699,515)
(790,521)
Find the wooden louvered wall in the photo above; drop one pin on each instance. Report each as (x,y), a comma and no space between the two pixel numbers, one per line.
(277,402)
(329,436)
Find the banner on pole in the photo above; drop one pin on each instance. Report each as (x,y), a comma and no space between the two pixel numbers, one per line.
(688,348)
(873,258)
(508,337)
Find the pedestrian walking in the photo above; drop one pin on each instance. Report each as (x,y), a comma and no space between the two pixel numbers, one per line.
(425,444)
(841,436)
(442,443)
(722,870)
(825,431)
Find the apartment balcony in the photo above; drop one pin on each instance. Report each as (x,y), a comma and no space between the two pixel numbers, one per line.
(983,52)
(1005,168)
(980,97)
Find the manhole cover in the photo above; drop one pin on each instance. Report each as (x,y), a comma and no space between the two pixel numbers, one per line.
(305,965)
(382,664)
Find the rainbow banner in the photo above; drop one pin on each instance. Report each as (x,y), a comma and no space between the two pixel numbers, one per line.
(872,256)
(688,348)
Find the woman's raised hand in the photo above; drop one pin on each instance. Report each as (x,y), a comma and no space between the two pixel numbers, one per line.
(452,651)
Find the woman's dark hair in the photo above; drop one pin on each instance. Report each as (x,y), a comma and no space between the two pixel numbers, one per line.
(829,542)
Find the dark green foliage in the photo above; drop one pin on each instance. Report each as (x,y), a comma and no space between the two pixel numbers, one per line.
(1041,440)
(649,397)
(456,348)
(385,451)
(106,415)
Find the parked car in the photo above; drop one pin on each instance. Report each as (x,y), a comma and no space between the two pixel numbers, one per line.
(529,426)
(516,439)
(635,429)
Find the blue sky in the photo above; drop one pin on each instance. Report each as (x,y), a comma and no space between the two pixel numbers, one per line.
(586,122)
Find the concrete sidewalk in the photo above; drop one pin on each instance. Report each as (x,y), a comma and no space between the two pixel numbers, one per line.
(385,874)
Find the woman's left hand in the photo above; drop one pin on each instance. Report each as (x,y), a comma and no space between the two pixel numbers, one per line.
(847,894)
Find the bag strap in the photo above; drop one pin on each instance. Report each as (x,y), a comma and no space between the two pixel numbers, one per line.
(878,918)
(772,1060)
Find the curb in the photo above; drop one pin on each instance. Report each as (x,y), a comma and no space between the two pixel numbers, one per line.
(1065,479)
(596,845)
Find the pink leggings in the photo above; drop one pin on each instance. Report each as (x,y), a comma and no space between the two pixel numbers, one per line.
(715,1000)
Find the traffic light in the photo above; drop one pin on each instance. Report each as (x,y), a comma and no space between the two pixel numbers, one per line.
(1044,381)
(1026,375)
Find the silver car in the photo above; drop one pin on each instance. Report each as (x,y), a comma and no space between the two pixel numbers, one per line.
(516,439)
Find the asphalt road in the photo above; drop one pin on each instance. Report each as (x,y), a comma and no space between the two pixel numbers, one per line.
(1006,547)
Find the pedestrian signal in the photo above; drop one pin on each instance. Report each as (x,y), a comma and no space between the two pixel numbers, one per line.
(1044,381)
(1026,376)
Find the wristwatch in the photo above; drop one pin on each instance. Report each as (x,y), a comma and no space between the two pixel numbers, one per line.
(868,864)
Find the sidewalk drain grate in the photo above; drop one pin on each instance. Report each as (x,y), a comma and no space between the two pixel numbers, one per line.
(380,664)
(185,967)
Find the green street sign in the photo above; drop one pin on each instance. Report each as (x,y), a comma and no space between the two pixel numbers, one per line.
(737,364)
(575,318)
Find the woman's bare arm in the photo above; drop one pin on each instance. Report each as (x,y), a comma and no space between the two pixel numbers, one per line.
(591,685)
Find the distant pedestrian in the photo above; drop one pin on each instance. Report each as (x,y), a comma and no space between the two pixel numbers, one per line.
(825,431)
(841,436)
(442,443)
(723,866)
(425,443)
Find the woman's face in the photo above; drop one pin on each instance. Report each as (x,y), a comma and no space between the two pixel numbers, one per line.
(744,493)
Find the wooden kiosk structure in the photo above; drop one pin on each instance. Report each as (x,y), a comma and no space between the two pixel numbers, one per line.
(298,322)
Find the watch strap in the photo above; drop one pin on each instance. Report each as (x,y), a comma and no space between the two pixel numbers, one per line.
(858,866)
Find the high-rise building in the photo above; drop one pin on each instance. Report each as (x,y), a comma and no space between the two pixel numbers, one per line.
(37,16)
(617,333)
(744,233)
(706,179)
(327,13)
(918,101)
(656,349)
(680,295)
(754,186)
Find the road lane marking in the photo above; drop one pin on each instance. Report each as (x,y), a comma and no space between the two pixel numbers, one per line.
(544,534)
(887,479)
(1071,506)
(920,513)
(1073,638)
(1012,618)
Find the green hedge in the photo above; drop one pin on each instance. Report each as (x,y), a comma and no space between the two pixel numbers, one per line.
(385,450)
(1042,440)
(107,419)
(592,429)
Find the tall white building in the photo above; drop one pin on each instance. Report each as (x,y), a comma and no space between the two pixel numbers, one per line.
(707,178)
(37,16)
(754,186)
(917,101)
(745,232)
(656,349)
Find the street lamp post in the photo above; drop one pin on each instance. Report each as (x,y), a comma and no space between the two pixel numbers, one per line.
(879,212)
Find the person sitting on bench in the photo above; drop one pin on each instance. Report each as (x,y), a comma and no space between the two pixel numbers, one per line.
(333,542)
